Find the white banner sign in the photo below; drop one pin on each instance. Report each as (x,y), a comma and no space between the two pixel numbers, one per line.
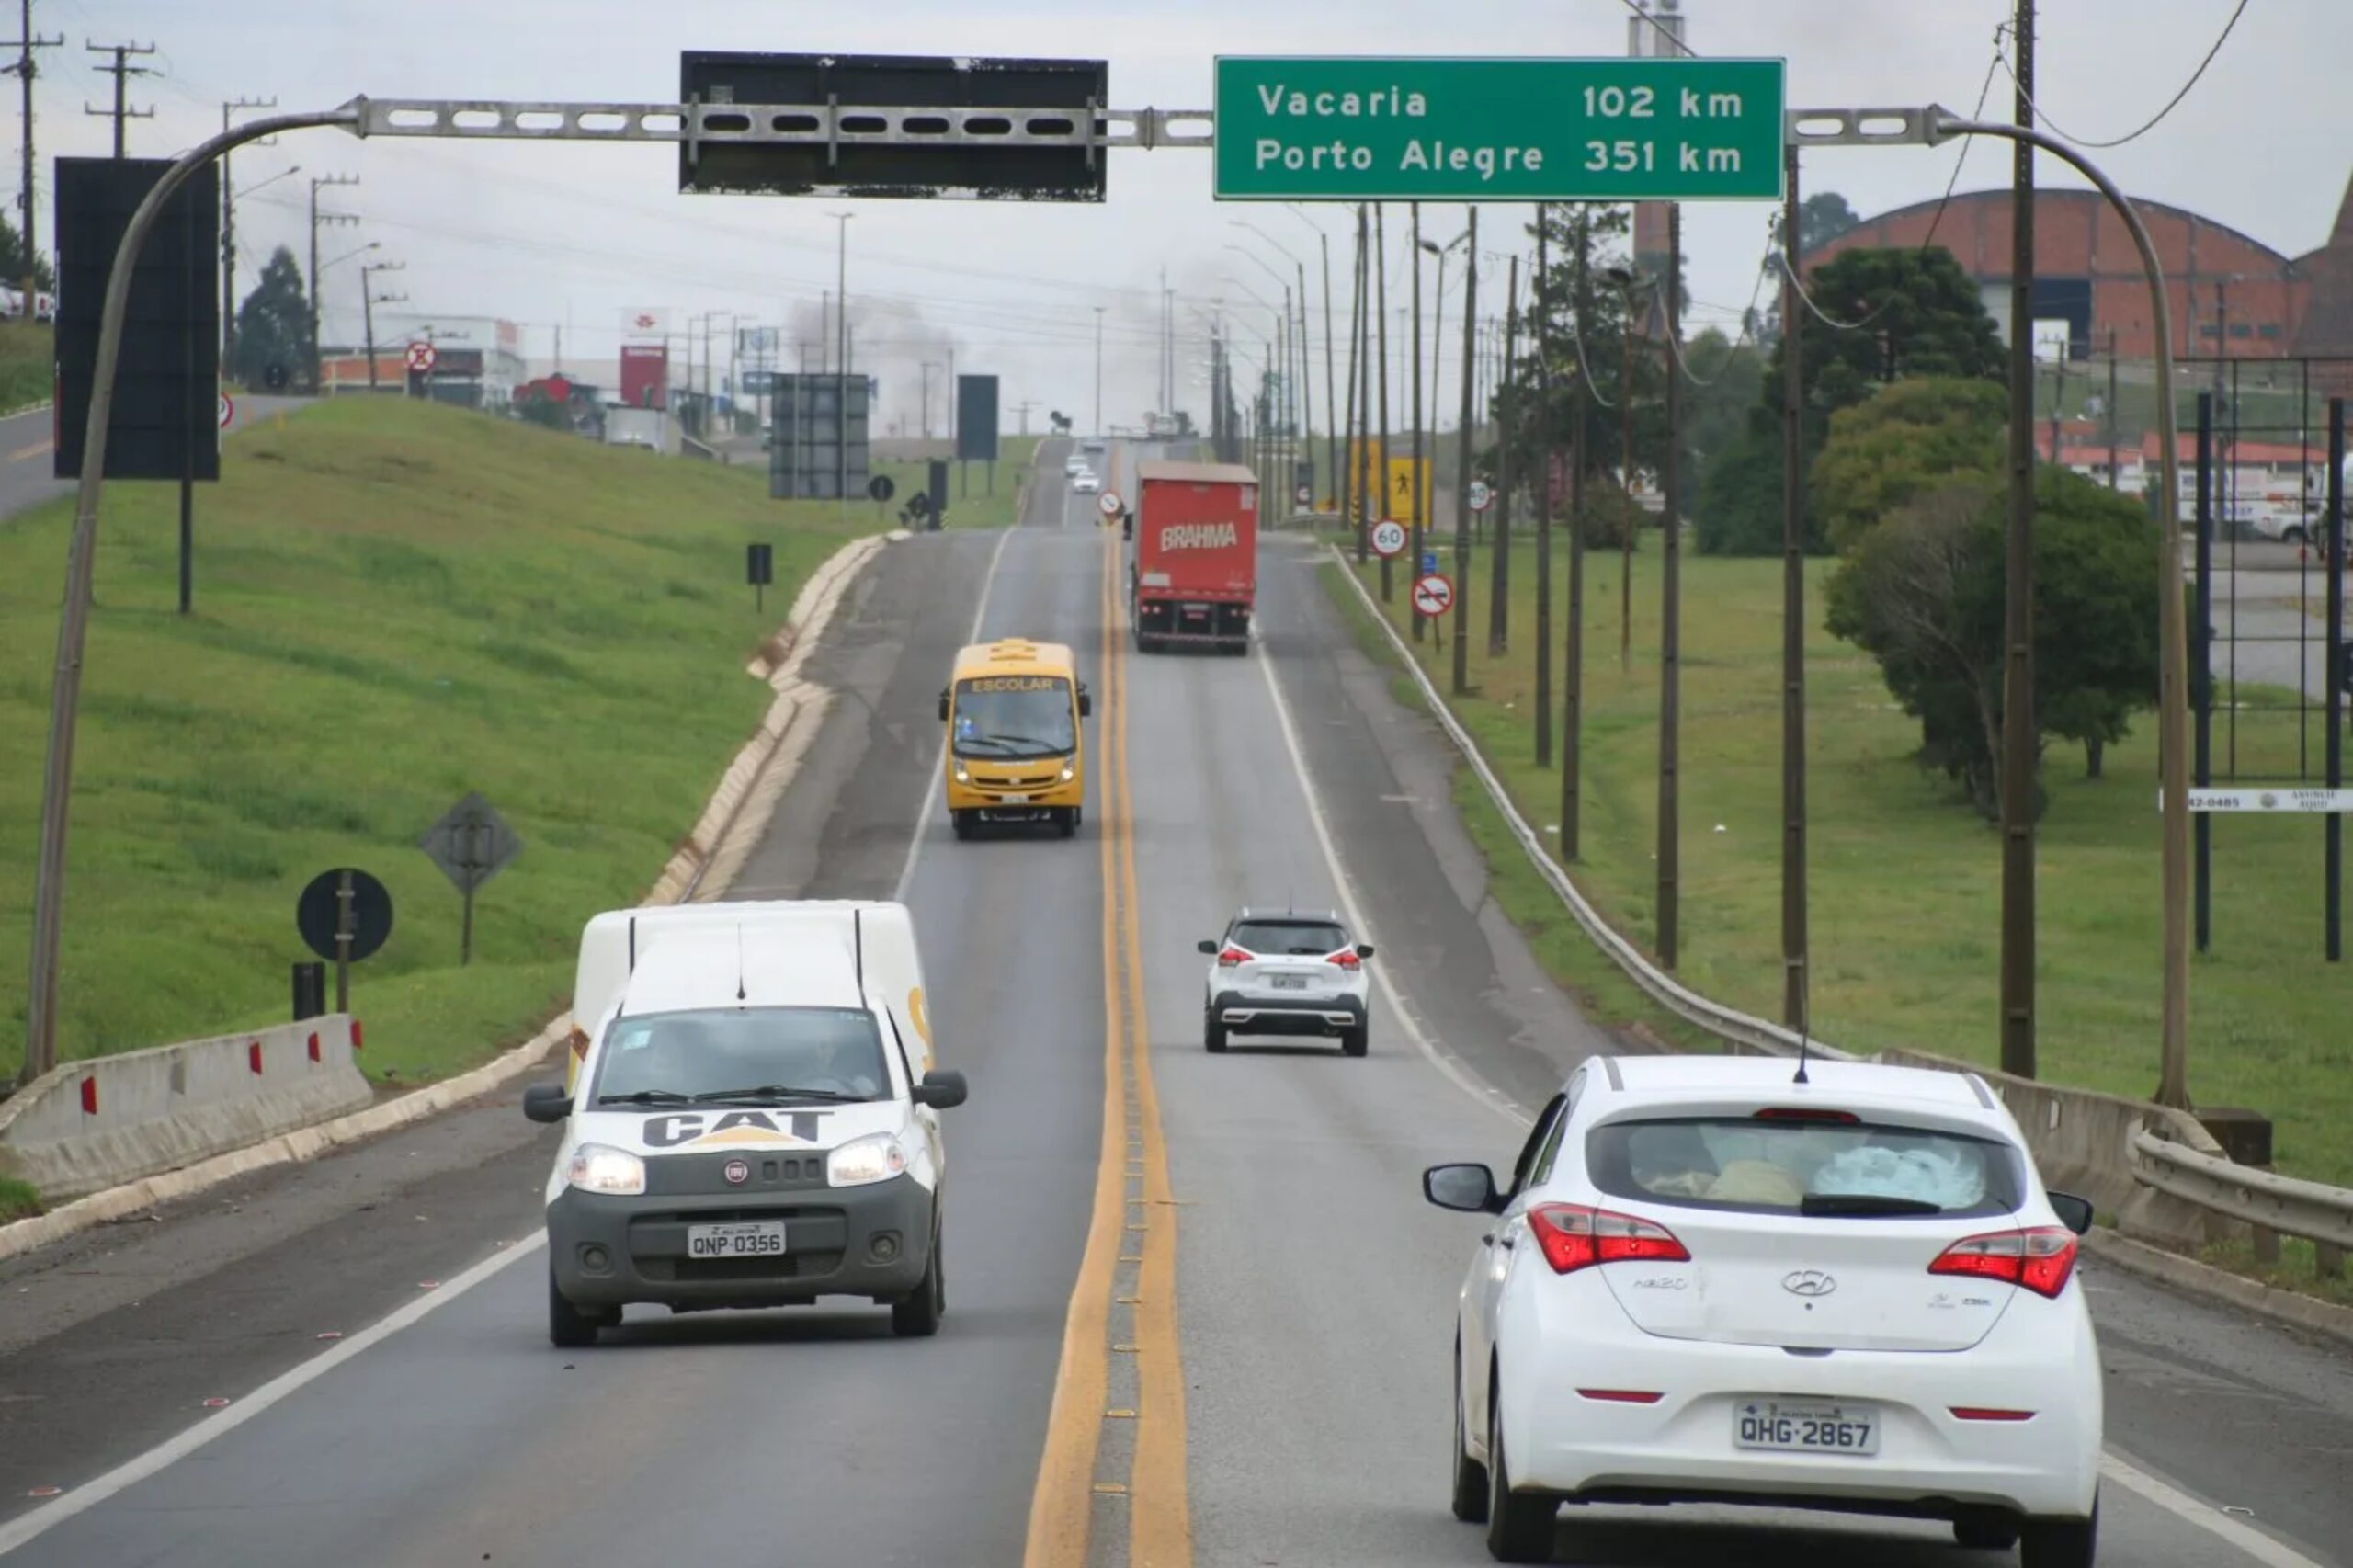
(2275,798)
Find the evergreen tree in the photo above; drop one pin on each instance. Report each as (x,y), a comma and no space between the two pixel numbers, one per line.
(274,327)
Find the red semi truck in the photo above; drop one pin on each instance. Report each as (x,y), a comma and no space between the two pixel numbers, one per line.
(1193,576)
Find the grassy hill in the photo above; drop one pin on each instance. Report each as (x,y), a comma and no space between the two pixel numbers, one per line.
(395,603)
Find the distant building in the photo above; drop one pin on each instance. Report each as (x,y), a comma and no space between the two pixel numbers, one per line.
(2231,295)
(2326,330)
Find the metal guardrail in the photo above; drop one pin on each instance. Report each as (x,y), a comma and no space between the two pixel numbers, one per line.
(2308,1208)
(1725,1023)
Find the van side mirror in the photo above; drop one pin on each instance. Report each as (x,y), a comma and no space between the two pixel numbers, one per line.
(2073,1212)
(1364,949)
(1469,1189)
(1207,947)
(941,1088)
(943,705)
(1085,701)
(546,1102)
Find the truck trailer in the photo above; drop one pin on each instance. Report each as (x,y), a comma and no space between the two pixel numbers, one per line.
(1193,568)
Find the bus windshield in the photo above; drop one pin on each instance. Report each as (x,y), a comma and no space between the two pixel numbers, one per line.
(1015,716)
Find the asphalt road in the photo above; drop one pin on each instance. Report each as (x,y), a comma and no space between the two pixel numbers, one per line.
(1312,1288)
(27,446)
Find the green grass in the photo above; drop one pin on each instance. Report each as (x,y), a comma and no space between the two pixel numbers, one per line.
(17,1201)
(2298,1268)
(27,365)
(395,603)
(1905,878)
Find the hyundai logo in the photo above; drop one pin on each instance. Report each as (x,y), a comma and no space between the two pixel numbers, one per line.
(737,1173)
(1808,1282)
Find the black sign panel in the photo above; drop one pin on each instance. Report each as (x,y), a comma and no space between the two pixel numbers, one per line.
(847,166)
(817,437)
(166,411)
(317,912)
(759,564)
(976,420)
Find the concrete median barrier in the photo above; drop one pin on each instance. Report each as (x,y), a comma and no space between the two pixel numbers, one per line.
(109,1119)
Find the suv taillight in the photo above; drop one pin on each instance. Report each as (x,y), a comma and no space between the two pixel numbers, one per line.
(1574,1237)
(1347,959)
(1232,956)
(2040,1259)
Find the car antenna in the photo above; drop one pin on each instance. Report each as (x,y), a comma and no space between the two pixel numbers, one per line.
(1805,1020)
(739,961)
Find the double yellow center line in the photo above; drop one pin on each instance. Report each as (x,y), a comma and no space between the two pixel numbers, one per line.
(1114,1440)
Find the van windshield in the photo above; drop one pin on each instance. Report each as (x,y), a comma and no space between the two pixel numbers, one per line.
(672,1058)
(1857,1169)
(1013,716)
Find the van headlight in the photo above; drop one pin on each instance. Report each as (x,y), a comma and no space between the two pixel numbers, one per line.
(862,1162)
(963,774)
(599,1167)
(1070,770)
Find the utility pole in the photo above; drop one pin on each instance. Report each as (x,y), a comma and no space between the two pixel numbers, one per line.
(1626,477)
(1573,659)
(1795,958)
(1462,462)
(1097,428)
(1347,477)
(1379,314)
(1670,655)
(2017,620)
(25,70)
(1414,569)
(1330,385)
(229,239)
(122,70)
(317,218)
(1541,428)
(1499,552)
(370,300)
(2111,408)
(841,373)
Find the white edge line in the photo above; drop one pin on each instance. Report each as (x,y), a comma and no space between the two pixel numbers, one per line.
(25,1526)
(2263,1548)
(1494,1099)
(940,763)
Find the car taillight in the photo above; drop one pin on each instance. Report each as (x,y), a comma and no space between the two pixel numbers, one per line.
(1231,956)
(1347,959)
(1574,1237)
(2040,1259)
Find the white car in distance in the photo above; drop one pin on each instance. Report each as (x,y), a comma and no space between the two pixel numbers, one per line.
(1286,973)
(1085,484)
(1732,1280)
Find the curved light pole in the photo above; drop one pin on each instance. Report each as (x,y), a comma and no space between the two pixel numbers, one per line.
(73,621)
(1288,413)
(1306,375)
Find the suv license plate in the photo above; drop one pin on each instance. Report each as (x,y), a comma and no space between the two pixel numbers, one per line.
(1287,982)
(741,1238)
(1806,1426)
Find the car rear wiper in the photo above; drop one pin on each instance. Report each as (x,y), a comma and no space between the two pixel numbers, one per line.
(763,1094)
(647,1096)
(1825,1204)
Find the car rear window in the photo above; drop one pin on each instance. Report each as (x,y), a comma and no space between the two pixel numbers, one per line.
(1290,938)
(1861,1169)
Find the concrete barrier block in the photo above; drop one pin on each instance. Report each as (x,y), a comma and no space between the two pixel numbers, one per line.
(108,1120)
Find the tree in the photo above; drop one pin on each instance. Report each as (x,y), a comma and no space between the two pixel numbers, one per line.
(1821,218)
(1900,313)
(274,325)
(1922,592)
(12,260)
(1922,434)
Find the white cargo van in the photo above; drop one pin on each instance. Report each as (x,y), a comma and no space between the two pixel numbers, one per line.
(751,1117)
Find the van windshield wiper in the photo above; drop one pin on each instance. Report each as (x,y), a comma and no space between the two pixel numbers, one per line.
(1825,1204)
(647,1096)
(766,1093)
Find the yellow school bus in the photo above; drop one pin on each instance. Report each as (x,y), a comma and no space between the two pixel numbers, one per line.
(1012,709)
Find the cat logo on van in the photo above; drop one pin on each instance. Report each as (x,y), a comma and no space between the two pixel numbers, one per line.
(678,1128)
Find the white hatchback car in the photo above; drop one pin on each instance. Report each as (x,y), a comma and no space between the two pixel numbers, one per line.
(1085,484)
(1712,1280)
(1281,973)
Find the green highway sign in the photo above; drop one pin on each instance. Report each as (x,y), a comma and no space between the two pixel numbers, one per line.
(1341,129)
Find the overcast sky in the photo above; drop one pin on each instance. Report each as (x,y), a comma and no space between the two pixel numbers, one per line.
(552,235)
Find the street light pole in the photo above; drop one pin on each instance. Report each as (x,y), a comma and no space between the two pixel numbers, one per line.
(1097,428)
(841,358)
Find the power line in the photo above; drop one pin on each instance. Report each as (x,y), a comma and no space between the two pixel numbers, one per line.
(122,70)
(1661,28)
(2154,120)
(1984,91)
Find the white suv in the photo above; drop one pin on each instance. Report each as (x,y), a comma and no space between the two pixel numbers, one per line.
(1286,973)
(1717,1279)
